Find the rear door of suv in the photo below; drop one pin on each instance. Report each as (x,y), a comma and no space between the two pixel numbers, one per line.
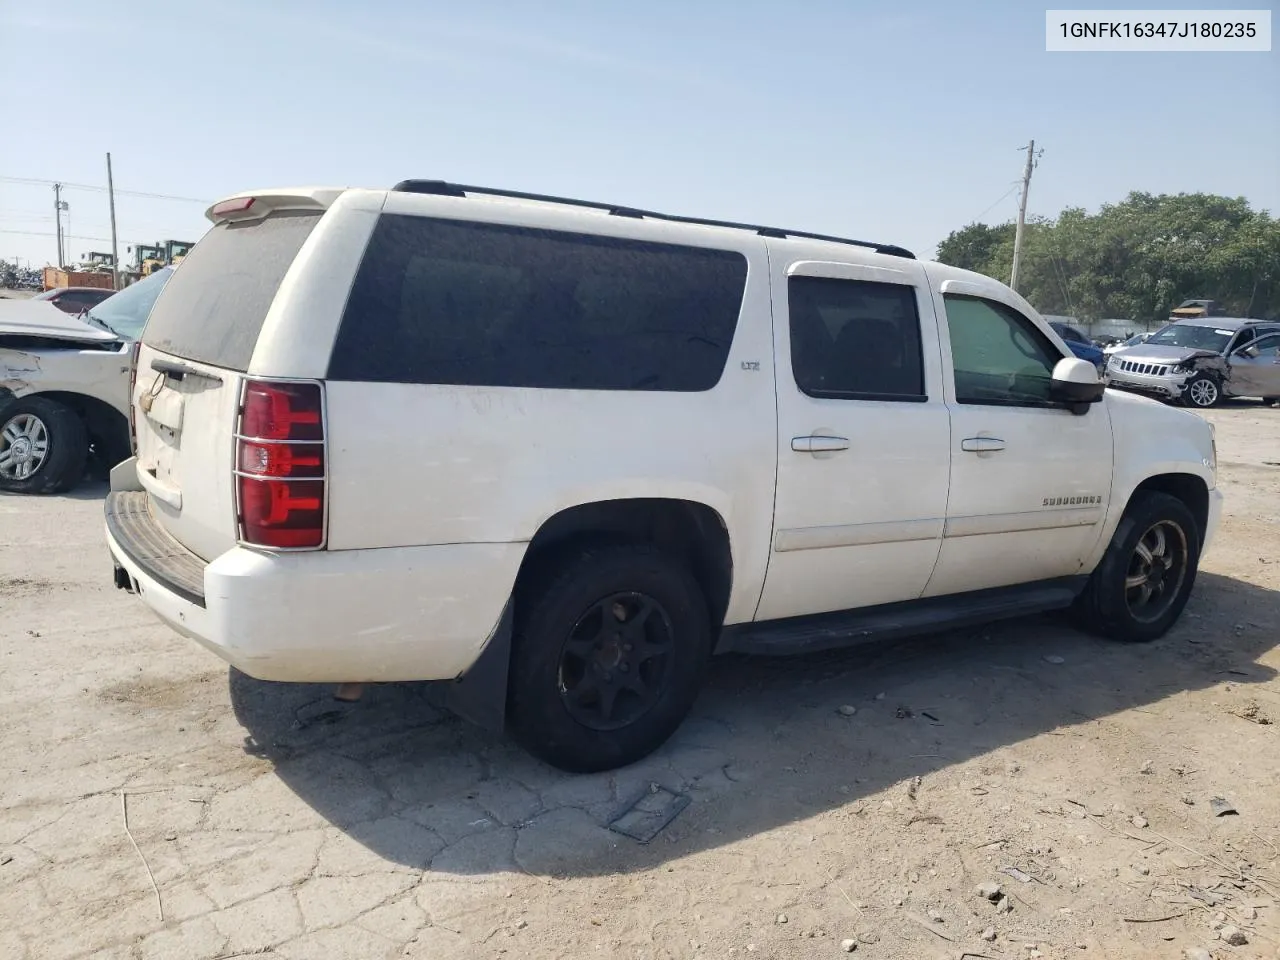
(863,433)
(197,346)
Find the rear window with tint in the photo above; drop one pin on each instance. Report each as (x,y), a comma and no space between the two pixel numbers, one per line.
(449,302)
(212,309)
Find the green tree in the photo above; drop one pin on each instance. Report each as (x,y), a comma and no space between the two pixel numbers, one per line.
(972,247)
(1136,259)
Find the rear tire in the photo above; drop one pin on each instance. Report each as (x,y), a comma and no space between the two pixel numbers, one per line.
(1271,401)
(1202,392)
(43,447)
(609,651)
(1141,586)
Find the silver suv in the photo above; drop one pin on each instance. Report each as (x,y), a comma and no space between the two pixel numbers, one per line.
(1200,361)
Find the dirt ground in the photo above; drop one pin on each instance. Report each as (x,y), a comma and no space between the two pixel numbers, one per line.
(267,819)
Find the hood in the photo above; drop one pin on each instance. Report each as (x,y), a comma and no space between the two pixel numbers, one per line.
(39,318)
(1145,353)
(1085,351)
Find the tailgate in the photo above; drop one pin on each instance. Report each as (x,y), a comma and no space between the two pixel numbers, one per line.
(196,347)
(185,415)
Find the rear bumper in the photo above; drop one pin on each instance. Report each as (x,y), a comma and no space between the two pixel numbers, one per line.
(412,613)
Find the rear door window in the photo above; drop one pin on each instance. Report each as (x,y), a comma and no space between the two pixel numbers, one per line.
(212,309)
(855,339)
(454,302)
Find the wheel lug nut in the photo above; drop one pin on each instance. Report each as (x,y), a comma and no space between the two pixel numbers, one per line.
(626,647)
(624,668)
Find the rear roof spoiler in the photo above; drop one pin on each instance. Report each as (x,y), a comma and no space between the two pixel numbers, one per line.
(256,204)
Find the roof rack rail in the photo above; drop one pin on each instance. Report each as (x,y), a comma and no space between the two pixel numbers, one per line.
(443,188)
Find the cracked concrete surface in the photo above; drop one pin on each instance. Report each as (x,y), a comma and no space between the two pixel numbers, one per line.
(278,822)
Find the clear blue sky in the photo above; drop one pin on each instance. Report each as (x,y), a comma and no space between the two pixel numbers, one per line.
(896,122)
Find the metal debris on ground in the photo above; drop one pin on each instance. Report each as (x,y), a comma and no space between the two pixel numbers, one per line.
(1017,874)
(1222,806)
(649,813)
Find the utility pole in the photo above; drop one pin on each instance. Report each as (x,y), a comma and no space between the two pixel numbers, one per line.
(1032,157)
(57,213)
(115,252)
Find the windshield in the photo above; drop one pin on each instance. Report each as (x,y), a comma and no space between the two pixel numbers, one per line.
(125,313)
(1191,335)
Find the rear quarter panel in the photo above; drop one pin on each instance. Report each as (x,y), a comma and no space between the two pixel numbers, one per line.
(417,464)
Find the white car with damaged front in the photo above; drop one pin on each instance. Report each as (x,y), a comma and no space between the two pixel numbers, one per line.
(64,386)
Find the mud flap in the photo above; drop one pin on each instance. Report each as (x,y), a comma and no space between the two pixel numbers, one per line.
(480,694)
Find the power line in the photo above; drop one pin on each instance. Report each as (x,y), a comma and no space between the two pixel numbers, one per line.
(1003,197)
(65,236)
(32,181)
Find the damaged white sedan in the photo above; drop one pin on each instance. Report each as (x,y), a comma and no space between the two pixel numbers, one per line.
(1200,361)
(64,386)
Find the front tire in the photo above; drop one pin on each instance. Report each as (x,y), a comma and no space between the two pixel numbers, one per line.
(608,655)
(1202,392)
(1144,580)
(43,447)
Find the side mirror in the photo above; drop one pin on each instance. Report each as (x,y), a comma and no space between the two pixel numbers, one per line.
(1075,384)
(1250,351)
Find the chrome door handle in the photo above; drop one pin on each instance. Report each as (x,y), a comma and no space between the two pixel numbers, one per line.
(819,444)
(981,444)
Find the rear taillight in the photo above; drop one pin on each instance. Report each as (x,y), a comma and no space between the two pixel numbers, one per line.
(280,464)
(133,382)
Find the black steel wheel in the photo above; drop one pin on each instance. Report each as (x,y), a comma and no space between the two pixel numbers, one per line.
(616,660)
(609,650)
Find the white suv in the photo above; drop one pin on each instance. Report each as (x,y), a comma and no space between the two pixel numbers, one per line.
(560,453)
